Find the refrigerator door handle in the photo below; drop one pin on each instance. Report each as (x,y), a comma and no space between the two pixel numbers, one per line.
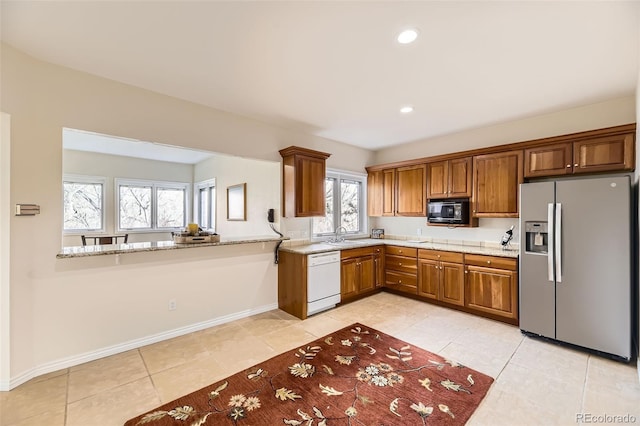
(550,220)
(558,242)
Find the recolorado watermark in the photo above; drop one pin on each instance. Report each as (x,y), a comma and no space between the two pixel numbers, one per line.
(605,418)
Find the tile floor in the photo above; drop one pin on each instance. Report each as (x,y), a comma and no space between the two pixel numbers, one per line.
(537,383)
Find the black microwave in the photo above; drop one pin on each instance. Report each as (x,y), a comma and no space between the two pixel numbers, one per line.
(448,211)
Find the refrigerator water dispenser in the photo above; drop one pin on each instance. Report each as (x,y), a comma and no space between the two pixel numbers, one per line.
(537,237)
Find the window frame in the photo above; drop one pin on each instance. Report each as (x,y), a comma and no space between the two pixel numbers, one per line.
(155,186)
(209,184)
(339,176)
(86,179)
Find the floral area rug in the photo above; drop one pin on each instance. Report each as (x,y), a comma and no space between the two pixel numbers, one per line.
(354,376)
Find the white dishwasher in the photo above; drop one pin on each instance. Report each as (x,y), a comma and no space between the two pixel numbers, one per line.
(323,281)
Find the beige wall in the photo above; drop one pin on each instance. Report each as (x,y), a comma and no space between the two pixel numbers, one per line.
(595,116)
(263,191)
(65,311)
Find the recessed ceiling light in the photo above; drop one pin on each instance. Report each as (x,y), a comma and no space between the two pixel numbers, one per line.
(407,36)
(406,109)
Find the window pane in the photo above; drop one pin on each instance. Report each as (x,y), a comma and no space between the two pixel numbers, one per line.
(82,206)
(324,225)
(204,208)
(350,205)
(171,205)
(135,207)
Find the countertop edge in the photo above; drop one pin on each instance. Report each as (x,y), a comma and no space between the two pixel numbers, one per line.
(467,249)
(110,249)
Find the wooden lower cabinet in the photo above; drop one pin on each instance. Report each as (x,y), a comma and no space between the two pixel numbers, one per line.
(441,276)
(492,286)
(360,272)
(401,269)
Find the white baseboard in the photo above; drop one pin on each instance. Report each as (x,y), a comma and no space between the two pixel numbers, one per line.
(127,346)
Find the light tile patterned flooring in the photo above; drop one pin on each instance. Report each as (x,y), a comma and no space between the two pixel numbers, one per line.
(537,383)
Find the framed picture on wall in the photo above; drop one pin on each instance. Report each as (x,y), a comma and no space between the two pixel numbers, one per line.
(236,202)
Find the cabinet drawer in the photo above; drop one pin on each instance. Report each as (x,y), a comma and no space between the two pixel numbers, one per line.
(401,264)
(402,251)
(356,252)
(401,281)
(491,261)
(445,256)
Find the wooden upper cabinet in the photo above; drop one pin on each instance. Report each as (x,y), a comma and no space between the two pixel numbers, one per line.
(303,175)
(389,192)
(375,191)
(496,180)
(397,191)
(410,190)
(604,154)
(548,160)
(607,153)
(449,179)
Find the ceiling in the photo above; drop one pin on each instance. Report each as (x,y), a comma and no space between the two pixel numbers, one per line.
(334,69)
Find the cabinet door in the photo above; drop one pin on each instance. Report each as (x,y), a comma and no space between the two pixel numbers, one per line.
(459,177)
(548,160)
(437,179)
(452,283)
(310,186)
(375,192)
(411,190)
(378,265)
(493,291)
(428,278)
(367,274)
(603,154)
(349,278)
(389,192)
(496,184)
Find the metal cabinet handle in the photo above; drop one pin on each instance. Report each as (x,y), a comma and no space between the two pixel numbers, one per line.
(399,263)
(575,165)
(466,272)
(438,256)
(568,165)
(399,281)
(489,262)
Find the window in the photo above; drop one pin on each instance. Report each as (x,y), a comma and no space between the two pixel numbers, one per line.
(144,205)
(206,204)
(344,195)
(83,203)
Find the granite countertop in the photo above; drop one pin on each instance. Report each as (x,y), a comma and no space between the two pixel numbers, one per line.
(367,242)
(101,250)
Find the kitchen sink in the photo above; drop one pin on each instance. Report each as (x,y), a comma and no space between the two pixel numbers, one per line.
(345,243)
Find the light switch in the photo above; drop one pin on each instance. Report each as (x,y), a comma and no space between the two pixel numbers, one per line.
(27,209)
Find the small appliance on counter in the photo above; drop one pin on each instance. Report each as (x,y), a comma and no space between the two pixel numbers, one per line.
(193,235)
(377,233)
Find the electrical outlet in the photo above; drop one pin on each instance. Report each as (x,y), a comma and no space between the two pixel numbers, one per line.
(172,305)
(419,232)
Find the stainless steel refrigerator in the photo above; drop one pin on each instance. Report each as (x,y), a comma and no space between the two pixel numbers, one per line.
(575,262)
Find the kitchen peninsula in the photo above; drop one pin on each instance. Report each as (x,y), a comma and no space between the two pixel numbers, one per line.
(101,250)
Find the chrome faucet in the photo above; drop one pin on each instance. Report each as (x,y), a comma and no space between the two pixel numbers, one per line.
(337,237)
